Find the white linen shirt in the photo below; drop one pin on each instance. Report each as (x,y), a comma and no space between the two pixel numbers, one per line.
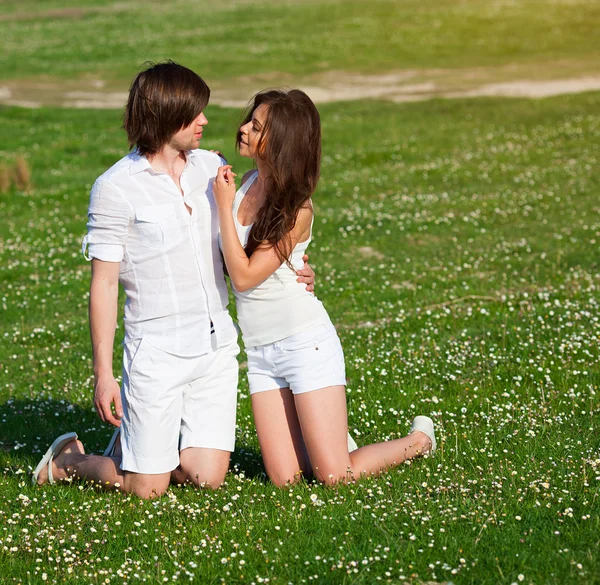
(170,265)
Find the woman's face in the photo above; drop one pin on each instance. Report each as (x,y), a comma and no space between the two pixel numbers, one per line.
(252,132)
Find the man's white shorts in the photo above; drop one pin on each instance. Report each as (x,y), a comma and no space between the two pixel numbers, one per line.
(303,362)
(174,402)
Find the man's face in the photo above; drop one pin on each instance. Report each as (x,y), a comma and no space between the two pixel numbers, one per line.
(188,138)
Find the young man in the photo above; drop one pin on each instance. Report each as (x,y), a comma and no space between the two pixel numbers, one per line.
(153,228)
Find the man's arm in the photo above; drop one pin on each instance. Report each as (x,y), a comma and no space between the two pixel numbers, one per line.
(306,275)
(104,294)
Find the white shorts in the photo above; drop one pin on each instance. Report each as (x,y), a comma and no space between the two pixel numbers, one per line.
(303,362)
(174,402)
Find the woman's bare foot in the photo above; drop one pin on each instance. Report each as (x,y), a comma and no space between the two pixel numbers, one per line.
(60,469)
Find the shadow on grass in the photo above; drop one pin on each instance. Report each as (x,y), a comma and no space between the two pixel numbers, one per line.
(28,427)
(249,461)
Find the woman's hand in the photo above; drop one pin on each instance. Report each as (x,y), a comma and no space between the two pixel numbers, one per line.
(224,187)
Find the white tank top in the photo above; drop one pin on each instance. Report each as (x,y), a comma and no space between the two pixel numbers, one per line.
(279,306)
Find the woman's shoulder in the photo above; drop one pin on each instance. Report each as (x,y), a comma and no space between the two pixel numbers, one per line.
(248,175)
(307,210)
(304,217)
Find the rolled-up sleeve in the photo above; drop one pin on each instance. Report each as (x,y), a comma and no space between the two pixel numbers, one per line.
(109,216)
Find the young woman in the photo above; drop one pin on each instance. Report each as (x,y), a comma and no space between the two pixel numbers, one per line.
(295,360)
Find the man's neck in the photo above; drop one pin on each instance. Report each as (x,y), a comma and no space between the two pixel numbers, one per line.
(168,160)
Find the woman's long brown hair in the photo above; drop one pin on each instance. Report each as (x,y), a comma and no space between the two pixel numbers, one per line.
(290,146)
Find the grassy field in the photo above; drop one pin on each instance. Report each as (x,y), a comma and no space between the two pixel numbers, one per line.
(456,247)
(225,40)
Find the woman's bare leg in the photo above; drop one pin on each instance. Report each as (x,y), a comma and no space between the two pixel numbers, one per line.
(324,421)
(279,436)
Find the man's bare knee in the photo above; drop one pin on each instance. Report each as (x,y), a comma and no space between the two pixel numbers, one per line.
(207,476)
(146,486)
(148,493)
(211,480)
(205,468)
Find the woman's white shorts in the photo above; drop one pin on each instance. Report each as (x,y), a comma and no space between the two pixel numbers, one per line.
(173,402)
(306,361)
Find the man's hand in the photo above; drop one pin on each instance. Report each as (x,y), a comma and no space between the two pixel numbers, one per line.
(107,393)
(104,292)
(219,153)
(306,275)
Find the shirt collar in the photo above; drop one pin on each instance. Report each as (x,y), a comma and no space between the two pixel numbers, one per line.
(138,162)
(192,156)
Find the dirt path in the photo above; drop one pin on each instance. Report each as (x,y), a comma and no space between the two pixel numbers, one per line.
(397,86)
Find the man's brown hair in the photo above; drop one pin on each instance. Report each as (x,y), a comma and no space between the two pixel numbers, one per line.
(163,98)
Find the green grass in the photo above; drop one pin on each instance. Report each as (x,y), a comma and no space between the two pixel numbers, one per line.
(224,40)
(456,248)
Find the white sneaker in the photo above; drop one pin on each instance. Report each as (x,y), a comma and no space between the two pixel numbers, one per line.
(352,446)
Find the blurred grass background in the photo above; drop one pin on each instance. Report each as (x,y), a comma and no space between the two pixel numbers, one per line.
(224,40)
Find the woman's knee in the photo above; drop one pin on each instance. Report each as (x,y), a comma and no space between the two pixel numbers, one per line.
(332,475)
(283,476)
